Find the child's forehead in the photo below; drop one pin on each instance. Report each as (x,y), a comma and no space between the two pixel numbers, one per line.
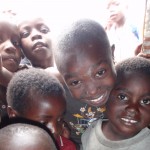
(133,75)
(31,21)
(48,99)
(8,27)
(90,50)
(7,23)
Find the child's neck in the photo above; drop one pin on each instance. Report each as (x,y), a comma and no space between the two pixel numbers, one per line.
(44,64)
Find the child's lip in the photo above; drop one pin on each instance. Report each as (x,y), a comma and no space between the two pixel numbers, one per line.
(13,59)
(113,15)
(38,45)
(100,100)
(129,120)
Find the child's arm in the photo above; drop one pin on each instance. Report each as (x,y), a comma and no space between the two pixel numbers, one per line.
(5,75)
(139,52)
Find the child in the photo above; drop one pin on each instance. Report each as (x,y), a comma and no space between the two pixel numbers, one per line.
(35,95)
(23,136)
(36,41)
(128,110)
(84,59)
(120,29)
(10,57)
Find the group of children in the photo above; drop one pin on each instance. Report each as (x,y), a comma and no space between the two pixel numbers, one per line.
(84,58)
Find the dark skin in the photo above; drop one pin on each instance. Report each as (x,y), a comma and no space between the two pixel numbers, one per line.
(47,110)
(10,57)
(139,52)
(89,73)
(10,46)
(36,42)
(128,108)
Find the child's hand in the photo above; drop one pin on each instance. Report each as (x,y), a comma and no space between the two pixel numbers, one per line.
(141,54)
(138,49)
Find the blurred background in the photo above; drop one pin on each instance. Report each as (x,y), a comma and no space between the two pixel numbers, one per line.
(60,12)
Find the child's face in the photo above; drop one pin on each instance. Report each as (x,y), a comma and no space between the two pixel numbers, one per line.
(35,39)
(49,111)
(128,109)
(116,11)
(89,74)
(10,46)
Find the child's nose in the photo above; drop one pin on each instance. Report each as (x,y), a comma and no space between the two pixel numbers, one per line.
(36,35)
(91,89)
(10,48)
(132,110)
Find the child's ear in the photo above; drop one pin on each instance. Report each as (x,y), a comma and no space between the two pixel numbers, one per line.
(11,112)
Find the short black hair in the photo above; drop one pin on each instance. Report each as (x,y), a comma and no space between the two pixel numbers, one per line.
(28,83)
(12,130)
(133,64)
(79,33)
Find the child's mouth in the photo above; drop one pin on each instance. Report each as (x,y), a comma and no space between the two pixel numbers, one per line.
(100,101)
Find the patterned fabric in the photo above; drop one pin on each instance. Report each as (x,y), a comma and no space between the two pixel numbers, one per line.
(86,116)
(80,115)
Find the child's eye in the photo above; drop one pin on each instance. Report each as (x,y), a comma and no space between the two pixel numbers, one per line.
(16,43)
(100,73)
(44,30)
(24,34)
(145,101)
(75,83)
(122,97)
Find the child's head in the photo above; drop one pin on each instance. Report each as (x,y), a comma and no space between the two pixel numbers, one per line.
(128,108)
(35,95)
(117,10)
(10,49)
(25,137)
(84,59)
(36,41)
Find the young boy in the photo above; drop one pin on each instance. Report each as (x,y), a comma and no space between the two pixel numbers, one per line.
(10,57)
(23,136)
(128,110)
(36,41)
(35,95)
(84,59)
(119,28)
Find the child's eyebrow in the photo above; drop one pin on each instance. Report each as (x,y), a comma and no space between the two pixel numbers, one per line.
(26,26)
(122,89)
(75,74)
(70,75)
